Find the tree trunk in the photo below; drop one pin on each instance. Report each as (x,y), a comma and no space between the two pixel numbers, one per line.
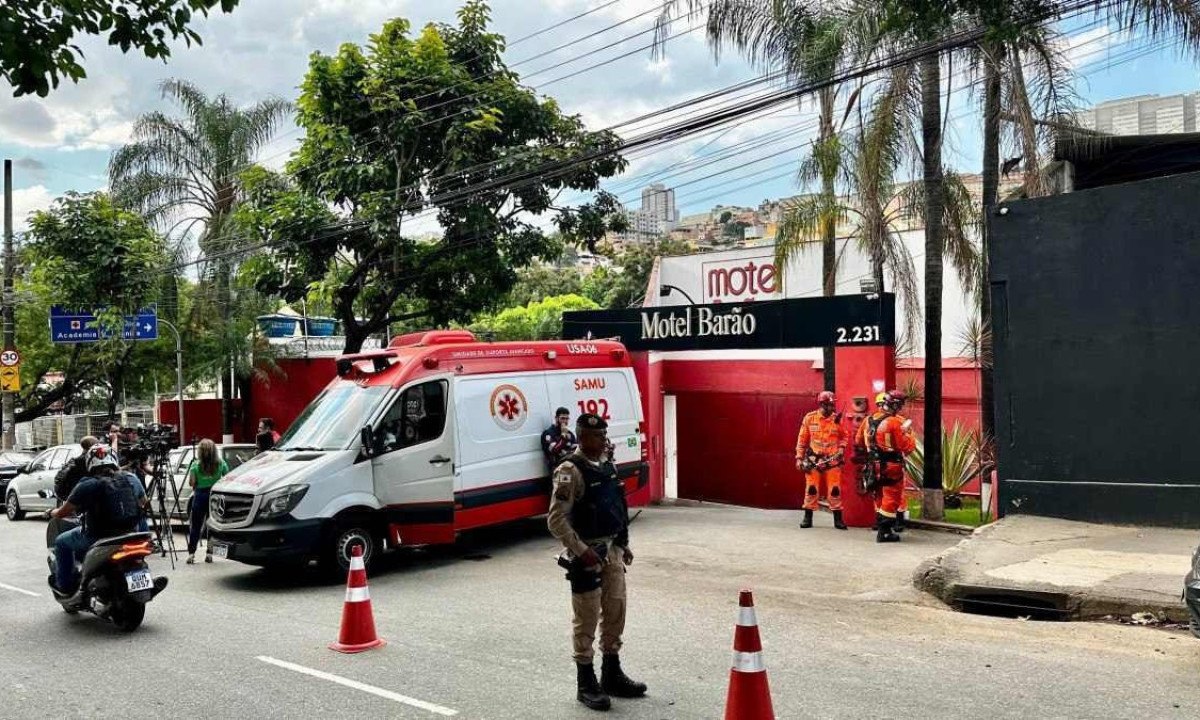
(828,225)
(991,190)
(224,298)
(356,335)
(931,133)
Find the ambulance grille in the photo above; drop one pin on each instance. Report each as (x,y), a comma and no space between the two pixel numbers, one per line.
(230,507)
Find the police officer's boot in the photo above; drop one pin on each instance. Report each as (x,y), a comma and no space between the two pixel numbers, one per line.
(884,534)
(837,520)
(899,525)
(590,693)
(807,521)
(614,681)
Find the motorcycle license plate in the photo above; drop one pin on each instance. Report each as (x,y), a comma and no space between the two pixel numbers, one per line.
(139,580)
(220,550)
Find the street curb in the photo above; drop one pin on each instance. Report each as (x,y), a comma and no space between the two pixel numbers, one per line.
(936,526)
(953,578)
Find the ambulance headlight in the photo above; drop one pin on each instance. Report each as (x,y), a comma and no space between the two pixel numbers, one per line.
(281,502)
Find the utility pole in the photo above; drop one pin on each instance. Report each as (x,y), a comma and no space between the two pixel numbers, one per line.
(10,341)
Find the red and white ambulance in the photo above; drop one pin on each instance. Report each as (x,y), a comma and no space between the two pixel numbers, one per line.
(410,445)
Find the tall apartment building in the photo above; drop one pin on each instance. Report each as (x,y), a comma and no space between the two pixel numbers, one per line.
(658,203)
(657,217)
(1143,115)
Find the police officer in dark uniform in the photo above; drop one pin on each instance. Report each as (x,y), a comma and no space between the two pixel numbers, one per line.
(589,515)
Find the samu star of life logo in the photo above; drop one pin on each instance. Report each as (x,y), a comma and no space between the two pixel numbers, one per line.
(509,408)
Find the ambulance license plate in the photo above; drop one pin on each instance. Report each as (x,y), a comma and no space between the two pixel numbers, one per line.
(220,550)
(139,580)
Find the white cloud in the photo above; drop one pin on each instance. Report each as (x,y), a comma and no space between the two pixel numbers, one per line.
(29,200)
(1089,46)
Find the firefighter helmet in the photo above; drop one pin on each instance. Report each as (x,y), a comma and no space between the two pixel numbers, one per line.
(881,399)
(896,399)
(826,398)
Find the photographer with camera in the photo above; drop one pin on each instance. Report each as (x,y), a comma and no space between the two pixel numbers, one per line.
(74,471)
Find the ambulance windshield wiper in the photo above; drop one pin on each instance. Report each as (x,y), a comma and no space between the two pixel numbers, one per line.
(302,449)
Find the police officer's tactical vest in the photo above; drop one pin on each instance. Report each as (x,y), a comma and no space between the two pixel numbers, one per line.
(601,512)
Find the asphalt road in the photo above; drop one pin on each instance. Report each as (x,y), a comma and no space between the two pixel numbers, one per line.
(482,630)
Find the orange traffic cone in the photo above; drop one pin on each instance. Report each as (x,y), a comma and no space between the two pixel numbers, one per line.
(749,696)
(358,623)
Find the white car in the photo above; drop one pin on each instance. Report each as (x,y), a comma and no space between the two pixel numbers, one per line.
(180,460)
(32,490)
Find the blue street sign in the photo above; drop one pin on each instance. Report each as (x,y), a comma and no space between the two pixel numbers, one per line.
(70,326)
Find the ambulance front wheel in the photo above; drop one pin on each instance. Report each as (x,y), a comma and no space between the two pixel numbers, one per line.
(347,533)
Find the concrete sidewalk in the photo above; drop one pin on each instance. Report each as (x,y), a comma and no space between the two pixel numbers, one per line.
(1058,569)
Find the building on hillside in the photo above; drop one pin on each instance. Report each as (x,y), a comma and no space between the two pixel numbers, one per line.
(656,218)
(1143,115)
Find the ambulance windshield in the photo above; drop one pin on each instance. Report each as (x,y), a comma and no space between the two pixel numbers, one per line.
(334,419)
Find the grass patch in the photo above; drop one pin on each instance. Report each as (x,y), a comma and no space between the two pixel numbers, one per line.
(968,514)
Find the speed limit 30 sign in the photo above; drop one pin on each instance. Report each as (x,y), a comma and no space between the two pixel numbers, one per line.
(10,358)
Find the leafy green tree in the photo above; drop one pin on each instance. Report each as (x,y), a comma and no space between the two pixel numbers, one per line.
(630,277)
(538,320)
(37,37)
(86,252)
(538,282)
(431,122)
(184,173)
(89,253)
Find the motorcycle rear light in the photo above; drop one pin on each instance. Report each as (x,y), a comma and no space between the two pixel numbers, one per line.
(128,550)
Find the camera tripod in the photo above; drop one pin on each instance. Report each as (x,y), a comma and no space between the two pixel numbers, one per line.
(160,515)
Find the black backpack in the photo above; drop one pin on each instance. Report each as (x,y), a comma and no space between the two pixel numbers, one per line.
(118,513)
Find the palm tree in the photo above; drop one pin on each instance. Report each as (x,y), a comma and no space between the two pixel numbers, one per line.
(801,41)
(183,173)
(877,208)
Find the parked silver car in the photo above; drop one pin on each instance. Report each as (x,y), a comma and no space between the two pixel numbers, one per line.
(32,490)
(180,460)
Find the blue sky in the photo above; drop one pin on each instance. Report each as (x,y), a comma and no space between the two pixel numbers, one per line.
(63,142)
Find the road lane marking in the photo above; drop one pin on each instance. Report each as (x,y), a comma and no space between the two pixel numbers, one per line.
(379,692)
(19,590)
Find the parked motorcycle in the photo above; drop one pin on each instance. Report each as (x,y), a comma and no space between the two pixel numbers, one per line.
(115,580)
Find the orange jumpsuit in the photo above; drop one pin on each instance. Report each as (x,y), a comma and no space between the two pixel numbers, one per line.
(903,505)
(824,437)
(890,437)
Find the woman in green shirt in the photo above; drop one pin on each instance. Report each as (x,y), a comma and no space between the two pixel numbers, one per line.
(204,472)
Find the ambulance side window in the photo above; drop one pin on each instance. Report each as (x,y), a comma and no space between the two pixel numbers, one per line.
(418,416)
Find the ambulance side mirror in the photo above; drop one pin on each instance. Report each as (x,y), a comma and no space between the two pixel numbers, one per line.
(368,441)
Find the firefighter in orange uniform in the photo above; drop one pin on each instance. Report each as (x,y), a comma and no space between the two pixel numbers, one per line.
(820,452)
(886,437)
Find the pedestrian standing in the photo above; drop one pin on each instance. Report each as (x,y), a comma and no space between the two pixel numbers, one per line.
(886,438)
(589,515)
(203,473)
(820,449)
(558,442)
(267,437)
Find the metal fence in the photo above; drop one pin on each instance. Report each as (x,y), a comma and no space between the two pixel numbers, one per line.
(65,429)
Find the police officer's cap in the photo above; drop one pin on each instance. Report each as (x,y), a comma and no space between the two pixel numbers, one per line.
(588,421)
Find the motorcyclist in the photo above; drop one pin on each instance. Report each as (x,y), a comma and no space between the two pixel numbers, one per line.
(111,503)
(71,473)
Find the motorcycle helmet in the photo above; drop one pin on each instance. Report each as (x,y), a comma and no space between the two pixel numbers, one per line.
(100,456)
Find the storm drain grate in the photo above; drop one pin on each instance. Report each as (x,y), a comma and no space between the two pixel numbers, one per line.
(1011,605)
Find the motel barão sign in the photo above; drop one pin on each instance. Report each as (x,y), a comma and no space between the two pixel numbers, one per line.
(843,320)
